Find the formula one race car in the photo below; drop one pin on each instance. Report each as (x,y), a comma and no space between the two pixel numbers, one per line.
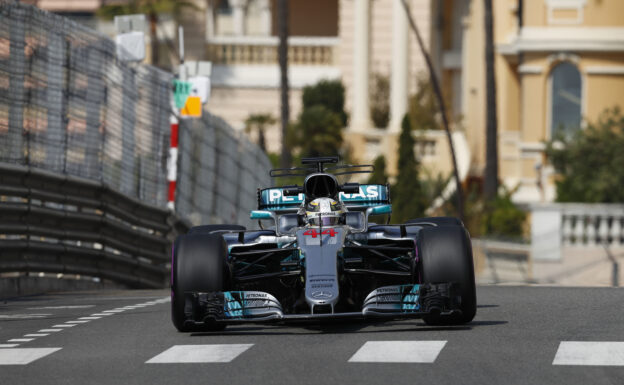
(320,258)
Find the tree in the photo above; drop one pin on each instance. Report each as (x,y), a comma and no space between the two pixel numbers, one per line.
(379,175)
(423,106)
(319,132)
(328,93)
(151,8)
(282,51)
(589,163)
(490,185)
(259,122)
(438,93)
(380,101)
(407,202)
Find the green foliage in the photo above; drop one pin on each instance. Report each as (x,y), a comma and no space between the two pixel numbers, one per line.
(423,107)
(319,132)
(590,162)
(380,101)
(328,93)
(503,219)
(407,198)
(259,123)
(148,7)
(500,218)
(379,175)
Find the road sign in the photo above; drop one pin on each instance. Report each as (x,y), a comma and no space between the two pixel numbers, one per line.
(181,92)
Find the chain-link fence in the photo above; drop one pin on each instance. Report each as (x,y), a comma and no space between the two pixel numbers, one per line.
(219,172)
(69,106)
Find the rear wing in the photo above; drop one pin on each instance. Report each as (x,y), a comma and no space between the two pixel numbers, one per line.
(273,198)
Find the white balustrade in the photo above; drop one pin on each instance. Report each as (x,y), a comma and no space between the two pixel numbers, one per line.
(581,225)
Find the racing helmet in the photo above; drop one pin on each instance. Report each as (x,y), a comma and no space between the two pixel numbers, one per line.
(324,212)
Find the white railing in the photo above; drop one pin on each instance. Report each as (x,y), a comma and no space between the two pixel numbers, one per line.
(576,225)
(263,50)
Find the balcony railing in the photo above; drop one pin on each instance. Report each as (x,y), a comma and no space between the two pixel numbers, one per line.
(249,50)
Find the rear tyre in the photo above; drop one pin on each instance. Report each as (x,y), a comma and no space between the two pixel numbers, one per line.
(440,221)
(207,229)
(198,264)
(446,256)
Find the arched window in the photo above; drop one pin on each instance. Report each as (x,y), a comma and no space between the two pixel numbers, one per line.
(565,112)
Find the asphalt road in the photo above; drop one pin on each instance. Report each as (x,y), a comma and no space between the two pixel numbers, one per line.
(521,335)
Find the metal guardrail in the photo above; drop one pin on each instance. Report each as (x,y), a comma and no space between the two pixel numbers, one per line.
(58,223)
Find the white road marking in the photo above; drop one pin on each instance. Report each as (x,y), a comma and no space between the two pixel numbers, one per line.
(101,314)
(8,345)
(64,326)
(21,340)
(76,322)
(199,353)
(50,330)
(590,353)
(23,316)
(113,311)
(61,307)
(36,335)
(90,318)
(399,351)
(24,356)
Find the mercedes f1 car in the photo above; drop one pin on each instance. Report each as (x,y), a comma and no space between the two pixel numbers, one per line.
(320,258)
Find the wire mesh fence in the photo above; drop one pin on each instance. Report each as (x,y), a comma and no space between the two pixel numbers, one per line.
(68,105)
(219,172)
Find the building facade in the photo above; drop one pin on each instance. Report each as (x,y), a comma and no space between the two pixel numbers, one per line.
(559,64)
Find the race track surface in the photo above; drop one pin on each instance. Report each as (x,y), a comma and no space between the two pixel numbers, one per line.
(521,335)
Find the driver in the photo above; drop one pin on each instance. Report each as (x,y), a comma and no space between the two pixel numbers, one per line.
(324,212)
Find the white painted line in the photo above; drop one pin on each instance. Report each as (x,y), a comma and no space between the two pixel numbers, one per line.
(399,351)
(76,322)
(21,340)
(89,318)
(36,335)
(113,311)
(49,330)
(199,353)
(63,326)
(23,316)
(8,345)
(100,314)
(61,307)
(24,356)
(590,353)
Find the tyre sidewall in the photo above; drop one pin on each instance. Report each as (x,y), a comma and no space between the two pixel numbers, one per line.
(446,256)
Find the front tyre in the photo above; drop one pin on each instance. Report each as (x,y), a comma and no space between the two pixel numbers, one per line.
(198,265)
(446,256)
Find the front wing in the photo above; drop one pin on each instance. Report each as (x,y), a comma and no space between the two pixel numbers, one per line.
(392,302)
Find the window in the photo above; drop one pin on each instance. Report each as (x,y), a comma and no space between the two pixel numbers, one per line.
(565,113)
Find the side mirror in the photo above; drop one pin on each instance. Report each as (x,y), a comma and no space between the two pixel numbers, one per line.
(262,214)
(379,210)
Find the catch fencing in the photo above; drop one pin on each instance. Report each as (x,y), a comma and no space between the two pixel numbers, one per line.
(68,105)
(70,108)
(219,173)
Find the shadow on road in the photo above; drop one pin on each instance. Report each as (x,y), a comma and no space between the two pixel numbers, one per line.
(355,327)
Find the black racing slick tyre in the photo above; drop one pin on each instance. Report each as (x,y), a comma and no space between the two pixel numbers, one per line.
(439,221)
(207,229)
(198,265)
(446,256)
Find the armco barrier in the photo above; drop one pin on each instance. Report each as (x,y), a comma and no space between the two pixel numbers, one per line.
(65,224)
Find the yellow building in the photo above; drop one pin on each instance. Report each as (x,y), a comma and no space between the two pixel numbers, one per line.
(559,64)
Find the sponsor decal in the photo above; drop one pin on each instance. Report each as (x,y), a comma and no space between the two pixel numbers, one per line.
(275,196)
